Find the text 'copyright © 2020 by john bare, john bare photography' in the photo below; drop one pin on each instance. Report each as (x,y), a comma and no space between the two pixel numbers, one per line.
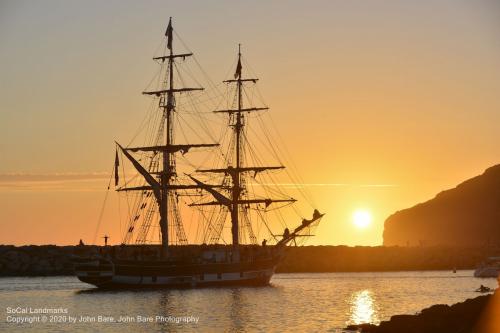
(31,315)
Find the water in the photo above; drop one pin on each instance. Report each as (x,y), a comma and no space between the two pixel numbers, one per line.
(298,302)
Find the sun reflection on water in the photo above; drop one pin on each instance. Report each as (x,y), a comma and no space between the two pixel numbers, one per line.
(363,308)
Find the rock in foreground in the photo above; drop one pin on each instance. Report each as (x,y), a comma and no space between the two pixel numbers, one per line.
(471,316)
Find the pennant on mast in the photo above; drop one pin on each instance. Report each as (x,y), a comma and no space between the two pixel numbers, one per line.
(237,74)
(117,164)
(168,34)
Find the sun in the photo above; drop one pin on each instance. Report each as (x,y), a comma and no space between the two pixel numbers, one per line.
(361,218)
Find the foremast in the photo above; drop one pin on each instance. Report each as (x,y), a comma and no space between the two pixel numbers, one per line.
(236,178)
(168,166)
(162,185)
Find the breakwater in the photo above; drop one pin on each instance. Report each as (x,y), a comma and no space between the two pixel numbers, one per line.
(50,260)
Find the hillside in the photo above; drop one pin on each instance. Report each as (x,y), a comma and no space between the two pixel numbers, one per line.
(468,215)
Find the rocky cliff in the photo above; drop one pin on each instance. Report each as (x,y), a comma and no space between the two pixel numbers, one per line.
(468,215)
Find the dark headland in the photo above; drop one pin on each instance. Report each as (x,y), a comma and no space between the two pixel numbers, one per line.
(467,215)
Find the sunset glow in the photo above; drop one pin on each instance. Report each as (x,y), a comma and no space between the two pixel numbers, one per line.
(373,107)
(362,218)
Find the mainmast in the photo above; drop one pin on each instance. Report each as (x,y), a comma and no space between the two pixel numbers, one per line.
(235,201)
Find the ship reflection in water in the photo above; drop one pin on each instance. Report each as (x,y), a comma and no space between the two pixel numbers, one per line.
(363,308)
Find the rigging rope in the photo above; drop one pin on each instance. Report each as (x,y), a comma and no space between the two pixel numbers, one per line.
(99,220)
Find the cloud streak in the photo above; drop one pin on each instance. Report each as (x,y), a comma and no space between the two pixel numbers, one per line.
(96,181)
(53,181)
(302,185)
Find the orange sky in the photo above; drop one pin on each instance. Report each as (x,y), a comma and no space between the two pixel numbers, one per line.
(365,93)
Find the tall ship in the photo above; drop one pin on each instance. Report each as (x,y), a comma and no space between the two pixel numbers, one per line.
(221,192)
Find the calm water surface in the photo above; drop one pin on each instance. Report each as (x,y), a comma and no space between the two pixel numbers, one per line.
(305,302)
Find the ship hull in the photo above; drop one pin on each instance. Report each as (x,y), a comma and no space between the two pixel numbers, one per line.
(126,282)
(129,274)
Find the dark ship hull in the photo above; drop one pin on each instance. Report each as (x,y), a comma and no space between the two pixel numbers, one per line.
(112,273)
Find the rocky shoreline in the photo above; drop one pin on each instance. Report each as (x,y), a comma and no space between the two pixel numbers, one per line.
(477,315)
(49,260)
(46,260)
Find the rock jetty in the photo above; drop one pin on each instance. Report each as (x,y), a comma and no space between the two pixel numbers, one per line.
(477,315)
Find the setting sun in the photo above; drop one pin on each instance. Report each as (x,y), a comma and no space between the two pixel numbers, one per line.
(361,218)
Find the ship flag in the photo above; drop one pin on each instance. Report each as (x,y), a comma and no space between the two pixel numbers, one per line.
(168,34)
(237,74)
(117,164)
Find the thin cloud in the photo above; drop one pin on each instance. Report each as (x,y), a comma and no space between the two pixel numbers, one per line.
(69,181)
(301,185)
(96,181)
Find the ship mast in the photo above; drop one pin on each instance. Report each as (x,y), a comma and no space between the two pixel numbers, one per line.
(236,177)
(167,168)
(163,187)
(235,201)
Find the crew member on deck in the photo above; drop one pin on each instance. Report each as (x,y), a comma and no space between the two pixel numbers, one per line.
(286,233)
